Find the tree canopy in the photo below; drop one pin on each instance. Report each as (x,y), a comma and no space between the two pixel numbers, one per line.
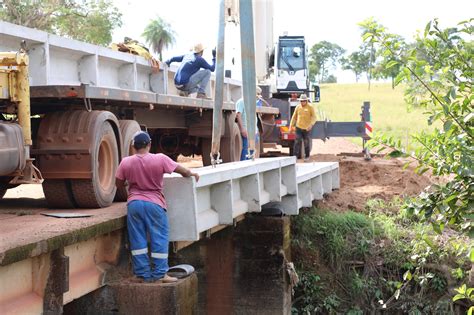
(357,62)
(159,35)
(322,57)
(91,21)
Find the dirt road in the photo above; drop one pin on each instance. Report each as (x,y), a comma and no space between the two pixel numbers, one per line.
(362,180)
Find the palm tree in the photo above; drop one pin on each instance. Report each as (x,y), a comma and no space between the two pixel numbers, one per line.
(159,35)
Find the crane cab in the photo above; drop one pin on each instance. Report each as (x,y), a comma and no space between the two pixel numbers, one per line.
(291,66)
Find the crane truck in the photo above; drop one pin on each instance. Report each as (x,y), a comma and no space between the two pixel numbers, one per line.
(283,74)
(68,112)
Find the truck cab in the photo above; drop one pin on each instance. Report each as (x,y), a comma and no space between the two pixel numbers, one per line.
(291,66)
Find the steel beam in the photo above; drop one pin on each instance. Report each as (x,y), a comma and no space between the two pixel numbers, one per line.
(247,44)
(219,87)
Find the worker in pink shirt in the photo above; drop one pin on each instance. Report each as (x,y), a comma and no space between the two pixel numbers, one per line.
(146,207)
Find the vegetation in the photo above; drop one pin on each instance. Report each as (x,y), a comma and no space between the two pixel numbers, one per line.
(159,35)
(322,57)
(449,151)
(89,21)
(357,62)
(383,259)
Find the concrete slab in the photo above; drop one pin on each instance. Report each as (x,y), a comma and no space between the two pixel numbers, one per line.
(26,236)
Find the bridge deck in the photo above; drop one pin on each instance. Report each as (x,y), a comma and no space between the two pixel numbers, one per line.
(222,194)
(33,246)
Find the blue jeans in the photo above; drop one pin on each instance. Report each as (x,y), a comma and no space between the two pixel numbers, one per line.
(198,82)
(245,147)
(302,136)
(144,218)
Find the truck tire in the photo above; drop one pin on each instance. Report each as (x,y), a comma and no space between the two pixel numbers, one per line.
(58,193)
(128,128)
(99,191)
(231,147)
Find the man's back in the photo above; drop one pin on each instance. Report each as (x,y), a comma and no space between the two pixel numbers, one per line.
(190,64)
(144,174)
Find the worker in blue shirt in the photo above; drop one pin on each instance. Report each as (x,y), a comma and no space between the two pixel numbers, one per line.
(190,78)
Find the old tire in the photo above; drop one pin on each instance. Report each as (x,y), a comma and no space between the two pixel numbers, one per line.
(128,128)
(231,147)
(99,191)
(58,193)
(206,144)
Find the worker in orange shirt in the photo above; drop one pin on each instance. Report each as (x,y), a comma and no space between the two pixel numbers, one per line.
(302,121)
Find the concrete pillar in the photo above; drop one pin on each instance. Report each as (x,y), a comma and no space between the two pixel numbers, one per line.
(242,270)
(123,295)
(141,298)
(127,297)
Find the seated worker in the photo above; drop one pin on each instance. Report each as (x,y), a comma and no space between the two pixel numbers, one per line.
(241,119)
(190,78)
(302,121)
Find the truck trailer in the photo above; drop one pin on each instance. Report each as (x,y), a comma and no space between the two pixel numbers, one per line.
(68,112)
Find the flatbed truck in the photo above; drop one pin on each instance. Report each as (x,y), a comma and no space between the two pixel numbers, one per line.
(85,104)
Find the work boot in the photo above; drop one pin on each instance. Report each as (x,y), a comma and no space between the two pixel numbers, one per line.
(168,279)
(183,93)
(203,95)
(306,159)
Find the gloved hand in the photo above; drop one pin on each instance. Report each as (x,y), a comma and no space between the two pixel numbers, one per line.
(168,63)
(214,53)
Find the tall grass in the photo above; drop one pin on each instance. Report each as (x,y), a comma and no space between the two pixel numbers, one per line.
(390,113)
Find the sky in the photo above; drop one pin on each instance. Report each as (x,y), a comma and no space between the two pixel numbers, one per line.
(331,20)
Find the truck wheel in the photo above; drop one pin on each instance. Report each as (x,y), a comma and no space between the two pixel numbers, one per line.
(128,128)
(231,147)
(99,191)
(206,144)
(58,193)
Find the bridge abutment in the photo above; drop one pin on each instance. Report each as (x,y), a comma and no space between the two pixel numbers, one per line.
(242,270)
(239,270)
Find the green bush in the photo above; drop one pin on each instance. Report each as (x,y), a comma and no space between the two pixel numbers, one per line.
(351,262)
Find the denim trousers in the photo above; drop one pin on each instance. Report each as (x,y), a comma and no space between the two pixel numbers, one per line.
(245,147)
(198,82)
(302,136)
(147,218)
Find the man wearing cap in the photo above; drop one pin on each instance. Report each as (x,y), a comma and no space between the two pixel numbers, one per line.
(146,207)
(190,78)
(241,119)
(302,122)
